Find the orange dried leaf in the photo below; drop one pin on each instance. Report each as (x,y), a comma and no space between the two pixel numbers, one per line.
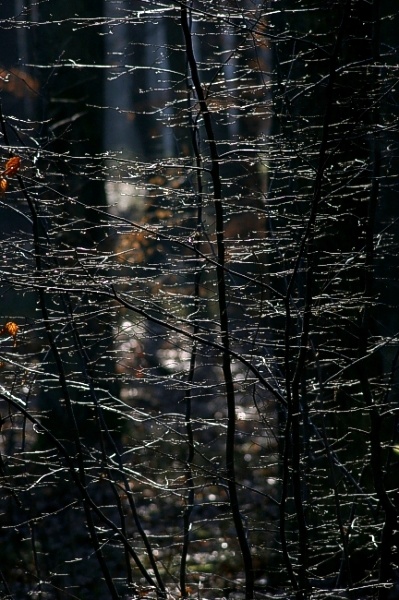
(3,186)
(12,166)
(12,329)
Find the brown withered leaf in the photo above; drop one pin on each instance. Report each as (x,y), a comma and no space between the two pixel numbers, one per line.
(12,329)
(12,166)
(3,186)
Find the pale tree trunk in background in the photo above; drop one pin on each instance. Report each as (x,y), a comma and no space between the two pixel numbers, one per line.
(159,83)
(120,120)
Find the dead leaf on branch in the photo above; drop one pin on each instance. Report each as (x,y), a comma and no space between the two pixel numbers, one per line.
(3,186)
(11,329)
(12,166)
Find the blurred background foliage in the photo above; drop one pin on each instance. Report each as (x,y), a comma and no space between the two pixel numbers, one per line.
(147,252)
